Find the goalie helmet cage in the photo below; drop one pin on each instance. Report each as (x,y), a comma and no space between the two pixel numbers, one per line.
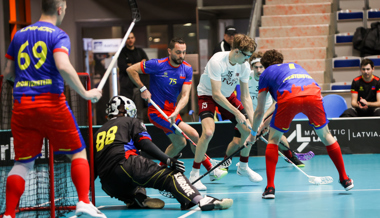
(49,191)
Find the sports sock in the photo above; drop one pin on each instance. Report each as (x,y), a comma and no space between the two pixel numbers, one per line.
(243,162)
(80,174)
(336,156)
(271,158)
(14,189)
(207,164)
(197,165)
(288,153)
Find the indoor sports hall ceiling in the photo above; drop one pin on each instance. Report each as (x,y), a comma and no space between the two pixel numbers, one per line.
(153,10)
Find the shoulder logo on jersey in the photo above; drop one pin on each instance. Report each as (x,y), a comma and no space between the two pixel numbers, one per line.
(165,74)
(361,89)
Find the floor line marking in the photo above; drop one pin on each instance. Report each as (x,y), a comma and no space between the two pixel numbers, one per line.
(190,212)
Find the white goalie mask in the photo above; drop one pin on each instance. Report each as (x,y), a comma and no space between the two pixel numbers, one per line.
(116,101)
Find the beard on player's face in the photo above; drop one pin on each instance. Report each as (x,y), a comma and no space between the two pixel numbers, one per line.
(176,60)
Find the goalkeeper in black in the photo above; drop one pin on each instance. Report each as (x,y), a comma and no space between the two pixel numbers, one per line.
(124,173)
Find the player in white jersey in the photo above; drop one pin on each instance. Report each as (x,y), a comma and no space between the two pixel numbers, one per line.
(216,89)
(256,69)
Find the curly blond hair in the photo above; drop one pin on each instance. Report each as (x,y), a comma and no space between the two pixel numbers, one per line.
(244,43)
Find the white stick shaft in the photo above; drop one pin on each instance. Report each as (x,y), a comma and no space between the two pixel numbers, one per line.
(166,116)
(114,59)
(264,140)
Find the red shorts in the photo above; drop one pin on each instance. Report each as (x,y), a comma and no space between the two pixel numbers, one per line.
(160,121)
(288,107)
(206,103)
(57,124)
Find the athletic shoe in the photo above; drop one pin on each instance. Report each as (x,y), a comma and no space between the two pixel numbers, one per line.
(198,185)
(223,166)
(296,161)
(7,216)
(211,203)
(145,202)
(217,174)
(268,193)
(347,184)
(88,210)
(247,172)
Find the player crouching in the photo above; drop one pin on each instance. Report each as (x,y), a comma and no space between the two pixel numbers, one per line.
(122,170)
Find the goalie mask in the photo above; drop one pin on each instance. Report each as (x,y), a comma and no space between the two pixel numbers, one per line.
(116,101)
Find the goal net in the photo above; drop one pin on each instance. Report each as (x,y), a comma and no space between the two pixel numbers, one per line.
(49,191)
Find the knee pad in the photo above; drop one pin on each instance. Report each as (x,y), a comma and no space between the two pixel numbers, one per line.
(206,114)
(21,169)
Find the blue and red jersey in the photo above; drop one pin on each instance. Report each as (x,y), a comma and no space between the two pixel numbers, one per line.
(36,73)
(166,81)
(287,78)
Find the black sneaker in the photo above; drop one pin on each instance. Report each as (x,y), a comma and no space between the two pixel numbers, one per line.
(185,206)
(296,161)
(268,193)
(347,184)
(211,203)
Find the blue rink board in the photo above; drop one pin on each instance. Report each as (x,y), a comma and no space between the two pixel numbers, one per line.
(295,196)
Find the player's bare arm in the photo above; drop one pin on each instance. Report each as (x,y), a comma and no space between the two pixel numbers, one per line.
(9,70)
(259,113)
(185,94)
(70,75)
(133,73)
(354,100)
(222,101)
(246,100)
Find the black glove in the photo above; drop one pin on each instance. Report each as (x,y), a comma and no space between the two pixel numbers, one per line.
(173,163)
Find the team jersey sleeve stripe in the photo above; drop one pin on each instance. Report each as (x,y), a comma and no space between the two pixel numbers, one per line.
(61,50)
(142,66)
(145,137)
(187,83)
(9,57)
(263,89)
(353,91)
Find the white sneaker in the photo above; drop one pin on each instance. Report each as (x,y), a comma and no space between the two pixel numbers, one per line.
(198,185)
(211,203)
(225,165)
(88,210)
(7,216)
(247,172)
(217,174)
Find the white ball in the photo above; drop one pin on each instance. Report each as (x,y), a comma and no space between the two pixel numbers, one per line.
(317,181)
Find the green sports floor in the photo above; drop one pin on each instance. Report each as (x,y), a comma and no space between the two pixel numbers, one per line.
(295,196)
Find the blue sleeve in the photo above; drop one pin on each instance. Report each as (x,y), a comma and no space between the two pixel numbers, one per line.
(150,67)
(189,75)
(62,42)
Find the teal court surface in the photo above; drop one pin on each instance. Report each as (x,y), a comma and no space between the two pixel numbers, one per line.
(295,196)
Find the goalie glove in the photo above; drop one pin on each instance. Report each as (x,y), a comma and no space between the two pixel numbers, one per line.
(173,163)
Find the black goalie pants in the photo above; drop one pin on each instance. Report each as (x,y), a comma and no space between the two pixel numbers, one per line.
(138,171)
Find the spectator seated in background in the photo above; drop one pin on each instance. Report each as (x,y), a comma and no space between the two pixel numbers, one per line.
(365,93)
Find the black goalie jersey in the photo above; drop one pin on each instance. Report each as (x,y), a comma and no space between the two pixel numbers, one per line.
(115,140)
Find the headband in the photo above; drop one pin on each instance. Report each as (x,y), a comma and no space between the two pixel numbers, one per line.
(255,60)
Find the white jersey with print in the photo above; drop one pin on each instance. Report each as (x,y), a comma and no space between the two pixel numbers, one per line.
(219,69)
(254,92)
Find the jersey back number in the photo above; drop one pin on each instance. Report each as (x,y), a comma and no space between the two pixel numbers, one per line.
(39,50)
(105,138)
